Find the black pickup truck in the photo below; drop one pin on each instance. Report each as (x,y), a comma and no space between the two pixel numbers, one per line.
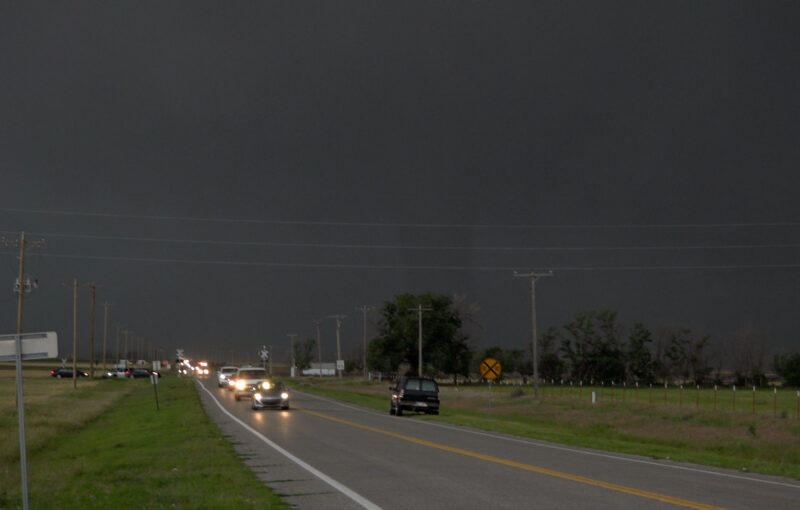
(420,394)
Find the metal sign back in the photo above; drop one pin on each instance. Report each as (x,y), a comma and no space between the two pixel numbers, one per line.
(34,346)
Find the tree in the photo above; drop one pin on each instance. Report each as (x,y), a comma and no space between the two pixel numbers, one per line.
(687,356)
(787,366)
(445,348)
(749,351)
(591,347)
(551,366)
(639,360)
(303,352)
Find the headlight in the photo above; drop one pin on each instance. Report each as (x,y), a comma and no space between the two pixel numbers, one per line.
(285,396)
(241,384)
(257,396)
(266,385)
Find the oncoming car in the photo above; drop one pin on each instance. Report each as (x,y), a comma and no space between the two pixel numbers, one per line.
(420,394)
(224,373)
(247,378)
(270,394)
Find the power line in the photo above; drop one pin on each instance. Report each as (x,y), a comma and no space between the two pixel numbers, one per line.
(416,267)
(406,225)
(273,244)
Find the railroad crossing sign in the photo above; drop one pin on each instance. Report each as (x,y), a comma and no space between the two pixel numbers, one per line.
(491,369)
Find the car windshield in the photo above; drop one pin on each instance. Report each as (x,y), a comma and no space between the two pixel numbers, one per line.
(421,384)
(251,374)
(228,370)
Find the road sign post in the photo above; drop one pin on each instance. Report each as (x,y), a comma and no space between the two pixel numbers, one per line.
(490,370)
(18,347)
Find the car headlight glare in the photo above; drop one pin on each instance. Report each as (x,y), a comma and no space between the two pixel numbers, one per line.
(266,385)
(257,396)
(240,385)
(285,396)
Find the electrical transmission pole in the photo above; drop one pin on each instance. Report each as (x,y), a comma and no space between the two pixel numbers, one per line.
(22,287)
(419,309)
(533,276)
(105,334)
(93,288)
(117,325)
(338,319)
(292,336)
(319,348)
(364,309)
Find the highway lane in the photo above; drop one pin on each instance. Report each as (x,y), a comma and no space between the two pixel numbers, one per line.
(326,454)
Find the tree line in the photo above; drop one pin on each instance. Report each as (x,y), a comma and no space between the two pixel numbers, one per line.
(592,347)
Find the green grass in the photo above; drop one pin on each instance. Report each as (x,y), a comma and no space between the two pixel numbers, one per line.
(105,445)
(669,428)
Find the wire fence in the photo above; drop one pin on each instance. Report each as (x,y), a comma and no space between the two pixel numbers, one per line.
(778,402)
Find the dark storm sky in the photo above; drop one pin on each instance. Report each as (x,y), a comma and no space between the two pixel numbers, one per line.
(231,171)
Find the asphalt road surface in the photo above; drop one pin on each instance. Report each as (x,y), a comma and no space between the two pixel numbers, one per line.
(324,454)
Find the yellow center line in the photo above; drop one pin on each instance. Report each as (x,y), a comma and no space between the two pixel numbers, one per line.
(527,467)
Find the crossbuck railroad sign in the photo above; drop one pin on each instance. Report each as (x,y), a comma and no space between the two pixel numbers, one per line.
(491,369)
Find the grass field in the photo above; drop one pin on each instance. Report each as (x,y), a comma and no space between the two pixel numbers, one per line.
(681,425)
(105,445)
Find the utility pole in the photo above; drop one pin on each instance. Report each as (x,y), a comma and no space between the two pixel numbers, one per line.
(533,276)
(319,348)
(75,334)
(117,325)
(105,334)
(93,288)
(292,336)
(338,319)
(364,309)
(419,310)
(126,333)
(22,286)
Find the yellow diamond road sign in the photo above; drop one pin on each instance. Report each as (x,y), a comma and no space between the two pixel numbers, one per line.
(490,369)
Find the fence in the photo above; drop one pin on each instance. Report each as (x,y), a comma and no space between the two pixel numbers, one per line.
(778,402)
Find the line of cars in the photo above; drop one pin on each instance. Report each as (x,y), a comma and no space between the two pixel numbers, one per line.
(254,383)
(132,373)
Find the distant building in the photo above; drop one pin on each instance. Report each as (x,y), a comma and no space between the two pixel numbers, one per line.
(327,369)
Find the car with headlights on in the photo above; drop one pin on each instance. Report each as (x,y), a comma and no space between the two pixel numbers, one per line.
(67,372)
(270,394)
(247,379)
(420,394)
(138,373)
(116,372)
(224,373)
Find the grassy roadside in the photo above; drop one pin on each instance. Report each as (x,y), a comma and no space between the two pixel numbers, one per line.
(105,445)
(742,441)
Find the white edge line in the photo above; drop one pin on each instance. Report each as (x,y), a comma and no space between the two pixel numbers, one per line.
(544,444)
(364,502)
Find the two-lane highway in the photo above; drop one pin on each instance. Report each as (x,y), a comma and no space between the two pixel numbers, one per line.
(327,454)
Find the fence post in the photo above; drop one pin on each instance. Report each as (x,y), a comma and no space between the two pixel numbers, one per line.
(697,404)
(734,398)
(715,398)
(774,402)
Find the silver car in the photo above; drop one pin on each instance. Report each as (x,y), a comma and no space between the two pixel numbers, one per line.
(247,380)
(224,373)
